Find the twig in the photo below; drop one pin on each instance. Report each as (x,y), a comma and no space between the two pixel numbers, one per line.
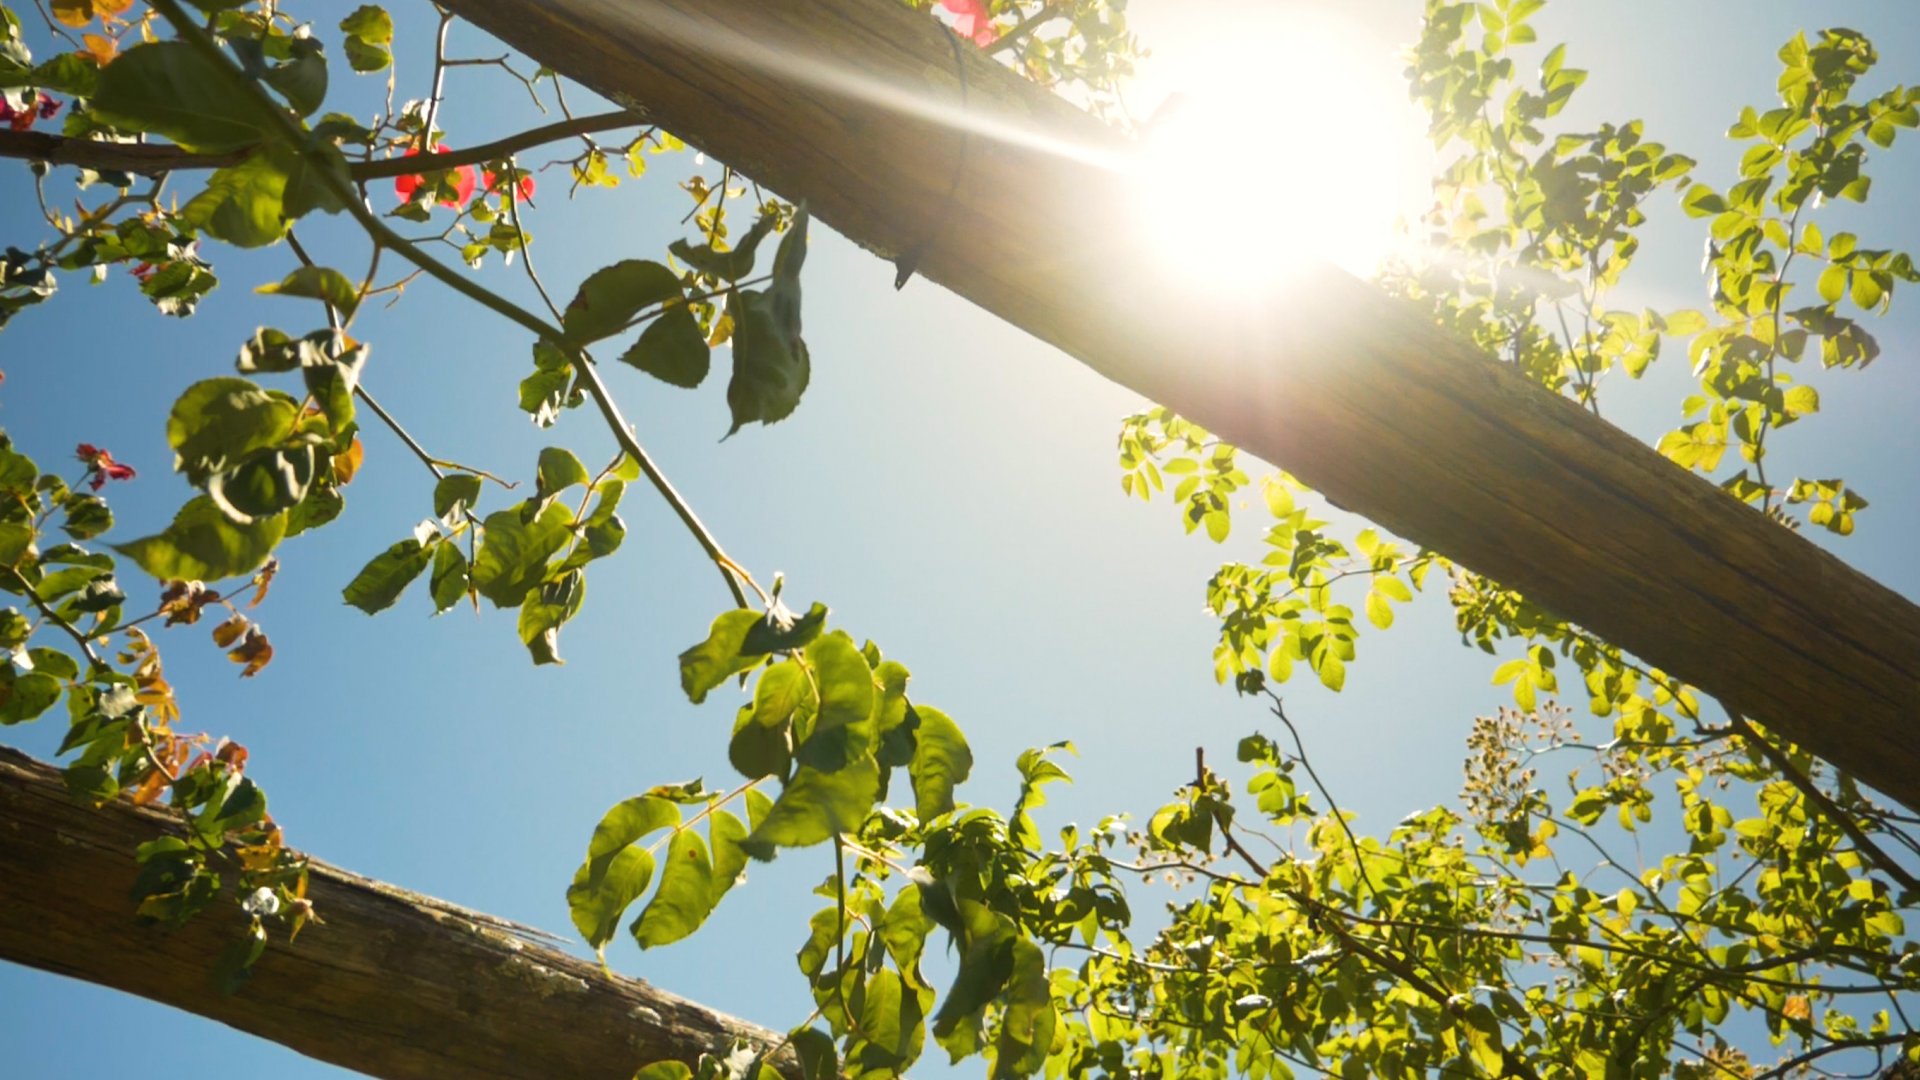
(154,159)
(1779,760)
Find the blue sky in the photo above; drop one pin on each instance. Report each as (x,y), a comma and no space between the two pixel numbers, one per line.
(948,486)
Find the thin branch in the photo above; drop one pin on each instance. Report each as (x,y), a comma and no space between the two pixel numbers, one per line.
(499,148)
(153,159)
(1833,811)
(1300,753)
(1792,1063)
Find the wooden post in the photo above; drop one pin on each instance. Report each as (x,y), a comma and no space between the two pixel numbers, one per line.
(394,984)
(1017,201)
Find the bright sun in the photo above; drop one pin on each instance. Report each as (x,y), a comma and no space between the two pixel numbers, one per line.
(1290,141)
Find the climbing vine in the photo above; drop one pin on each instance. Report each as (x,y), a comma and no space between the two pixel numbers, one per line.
(1461,942)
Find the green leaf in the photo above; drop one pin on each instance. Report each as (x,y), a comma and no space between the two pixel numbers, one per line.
(941,762)
(761,743)
(1331,669)
(785,633)
(816,805)
(1027,1017)
(315,180)
(558,471)
(514,552)
(87,516)
(611,296)
(242,806)
(449,580)
(460,490)
(672,349)
(388,574)
(714,660)
(1482,1030)
(68,73)
(54,663)
(1379,612)
(729,833)
(1685,323)
(203,544)
(25,696)
(819,1059)
(665,1070)
(369,31)
(1867,290)
(1701,200)
(322,504)
(686,895)
(892,1024)
(321,283)
(986,963)
(843,722)
(267,482)
(218,422)
(365,58)
(771,368)
(894,721)
(331,383)
(603,531)
(1832,283)
(616,873)
(302,78)
(905,927)
(244,204)
(544,611)
(598,897)
(731,265)
(168,88)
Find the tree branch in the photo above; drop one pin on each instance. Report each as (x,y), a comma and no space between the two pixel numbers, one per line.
(393,984)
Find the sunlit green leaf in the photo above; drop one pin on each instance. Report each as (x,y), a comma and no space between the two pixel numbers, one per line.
(686,896)
(203,544)
(382,580)
(611,296)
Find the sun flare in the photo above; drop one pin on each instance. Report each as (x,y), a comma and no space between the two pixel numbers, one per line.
(1288,140)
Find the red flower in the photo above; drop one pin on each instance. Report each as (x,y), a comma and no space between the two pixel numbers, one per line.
(23,119)
(100,466)
(490,181)
(143,271)
(972,21)
(463,182)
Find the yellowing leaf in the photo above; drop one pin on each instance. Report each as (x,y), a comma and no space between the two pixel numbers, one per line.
(73,12)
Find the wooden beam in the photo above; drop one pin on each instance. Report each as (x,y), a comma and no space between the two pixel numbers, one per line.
(394,984)
(1019,202)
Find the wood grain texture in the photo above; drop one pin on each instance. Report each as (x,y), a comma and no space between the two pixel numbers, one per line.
(394,984)
(852,105)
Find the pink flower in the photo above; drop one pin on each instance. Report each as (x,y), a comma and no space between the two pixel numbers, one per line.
(100,466)
(972,21)
(463,182)
(23,119)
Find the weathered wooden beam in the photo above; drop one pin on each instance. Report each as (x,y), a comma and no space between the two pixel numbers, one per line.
(1019,202)
(393,984)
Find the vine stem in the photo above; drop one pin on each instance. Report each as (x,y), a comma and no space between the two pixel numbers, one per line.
(705,813)
(383,235)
